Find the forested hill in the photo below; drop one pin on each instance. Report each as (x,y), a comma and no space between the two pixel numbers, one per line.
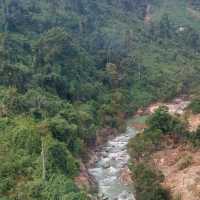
(71,67)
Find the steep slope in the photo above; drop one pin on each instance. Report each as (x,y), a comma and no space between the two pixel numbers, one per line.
(69,68)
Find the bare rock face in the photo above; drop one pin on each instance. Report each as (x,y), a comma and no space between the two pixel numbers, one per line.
(126,176)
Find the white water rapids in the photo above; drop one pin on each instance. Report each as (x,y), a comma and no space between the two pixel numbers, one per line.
(113,158)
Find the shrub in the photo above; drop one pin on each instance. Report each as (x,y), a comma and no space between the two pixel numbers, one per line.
(60,187)
(195,106)
(165,122)
(147,183)
(6,184)
(177,197)
(76,196)
(144,144)
(185,162)
(61,161)
(195,138)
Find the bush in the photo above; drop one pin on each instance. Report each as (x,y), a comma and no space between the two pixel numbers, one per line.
(6,184)
(58,186)
(76,196)
(147,183)
(185,162)
(165,122)
(195,106)
(195,138)
(145,143)
(61,161)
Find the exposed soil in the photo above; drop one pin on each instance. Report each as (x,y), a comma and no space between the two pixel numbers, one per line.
(184,181)
(179,163)
(178,107)
(139,126)
(193,121)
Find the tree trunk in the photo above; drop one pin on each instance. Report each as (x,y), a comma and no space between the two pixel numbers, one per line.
(43,160)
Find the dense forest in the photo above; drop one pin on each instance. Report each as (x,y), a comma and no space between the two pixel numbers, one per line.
(69,68)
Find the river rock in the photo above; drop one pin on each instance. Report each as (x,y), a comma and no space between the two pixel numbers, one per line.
(106,165)
(126,196)
(112,171)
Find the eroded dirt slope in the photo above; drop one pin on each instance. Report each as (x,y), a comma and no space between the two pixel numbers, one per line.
(179,163)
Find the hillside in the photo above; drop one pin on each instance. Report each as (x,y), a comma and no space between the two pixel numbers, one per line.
(72,69)
(166,153)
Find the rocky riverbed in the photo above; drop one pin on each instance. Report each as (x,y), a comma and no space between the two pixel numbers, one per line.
(111,169)
(110,162)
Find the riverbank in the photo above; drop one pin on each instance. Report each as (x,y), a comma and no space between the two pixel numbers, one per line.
(85,180)
(174,158)
(94,174)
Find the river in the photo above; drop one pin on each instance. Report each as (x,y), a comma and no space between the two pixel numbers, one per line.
(112,160)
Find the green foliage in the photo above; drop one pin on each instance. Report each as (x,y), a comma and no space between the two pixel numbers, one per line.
(144,144)
(70,67)
(63,131)
(165,122)
(59,187)
(25,136)
(141,98)
(21,149)
(195,138)
(160,123)
(147,183)
(195,106)
(59,160)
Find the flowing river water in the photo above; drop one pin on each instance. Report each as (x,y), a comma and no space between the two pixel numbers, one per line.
(112,160)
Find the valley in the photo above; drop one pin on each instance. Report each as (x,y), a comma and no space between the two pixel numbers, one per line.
(79,79)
